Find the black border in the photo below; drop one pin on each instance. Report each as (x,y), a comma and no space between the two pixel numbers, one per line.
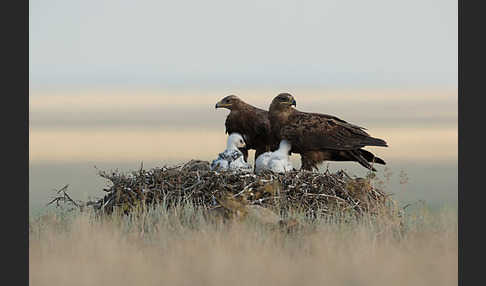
(460,105)
(470,133)
(15,118)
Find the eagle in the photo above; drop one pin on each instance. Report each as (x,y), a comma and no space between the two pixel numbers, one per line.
(320,137)
(251,122)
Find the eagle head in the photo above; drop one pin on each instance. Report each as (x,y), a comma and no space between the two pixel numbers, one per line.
(228,102)
(235,140)
(283,101)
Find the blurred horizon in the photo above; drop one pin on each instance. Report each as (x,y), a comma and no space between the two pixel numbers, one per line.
(129,117)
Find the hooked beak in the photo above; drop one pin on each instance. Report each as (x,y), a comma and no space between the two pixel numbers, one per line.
(220,105)
(245,138)
(291,102)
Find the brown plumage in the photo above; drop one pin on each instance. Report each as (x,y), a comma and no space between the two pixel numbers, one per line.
(320,137)
(251,122)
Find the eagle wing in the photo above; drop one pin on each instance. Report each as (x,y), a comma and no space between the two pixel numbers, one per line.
(313,131)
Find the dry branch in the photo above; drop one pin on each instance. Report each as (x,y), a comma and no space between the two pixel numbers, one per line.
(193,182)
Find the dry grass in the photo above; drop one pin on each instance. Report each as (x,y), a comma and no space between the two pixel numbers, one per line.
(180,247)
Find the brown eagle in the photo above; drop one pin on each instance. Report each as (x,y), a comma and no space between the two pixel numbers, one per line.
(320,137)
(251,122)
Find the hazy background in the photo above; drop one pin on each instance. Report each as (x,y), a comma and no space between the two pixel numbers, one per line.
(114,83)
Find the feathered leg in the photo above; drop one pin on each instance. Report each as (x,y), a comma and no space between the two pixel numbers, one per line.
(307,161)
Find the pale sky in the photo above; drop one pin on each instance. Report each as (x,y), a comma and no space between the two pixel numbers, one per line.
(243,43)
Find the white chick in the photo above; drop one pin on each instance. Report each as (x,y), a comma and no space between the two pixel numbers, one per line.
(277,161)
(232,158)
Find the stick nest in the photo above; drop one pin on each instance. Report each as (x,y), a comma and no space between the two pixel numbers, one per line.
(314,193)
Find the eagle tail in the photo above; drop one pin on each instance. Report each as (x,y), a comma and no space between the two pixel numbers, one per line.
(361,159)
(370,157)
(372,141)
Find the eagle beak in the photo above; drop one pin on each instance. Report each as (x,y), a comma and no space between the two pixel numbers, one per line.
(220,105)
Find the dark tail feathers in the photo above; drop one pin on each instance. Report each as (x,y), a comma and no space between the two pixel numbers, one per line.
(364,158)
(371,141)
(370,157)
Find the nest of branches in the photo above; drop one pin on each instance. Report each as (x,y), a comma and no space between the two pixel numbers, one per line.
(314,193)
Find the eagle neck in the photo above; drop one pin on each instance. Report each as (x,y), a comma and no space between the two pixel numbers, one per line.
(241,105)
(278,119)
(282,116)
